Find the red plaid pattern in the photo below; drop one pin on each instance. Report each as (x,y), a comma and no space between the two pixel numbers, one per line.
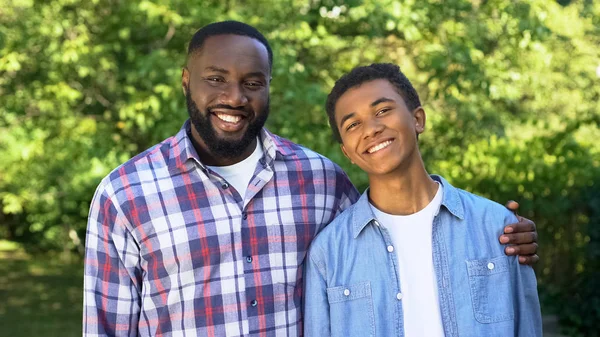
(173,250)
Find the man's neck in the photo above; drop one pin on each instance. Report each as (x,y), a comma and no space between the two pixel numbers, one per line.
(208,158)
(403,192)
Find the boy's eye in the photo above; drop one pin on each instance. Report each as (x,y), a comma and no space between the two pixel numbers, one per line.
(384,110)
(351,126)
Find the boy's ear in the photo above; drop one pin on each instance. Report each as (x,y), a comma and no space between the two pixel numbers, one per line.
(345,153)
(420,119)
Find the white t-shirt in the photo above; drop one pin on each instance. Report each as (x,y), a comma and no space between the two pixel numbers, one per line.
(238,175)
(412,240)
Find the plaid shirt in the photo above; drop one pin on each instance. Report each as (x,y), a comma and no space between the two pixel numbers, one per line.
(173,250)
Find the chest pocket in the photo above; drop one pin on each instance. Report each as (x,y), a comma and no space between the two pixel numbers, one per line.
(351,310)
(491,290)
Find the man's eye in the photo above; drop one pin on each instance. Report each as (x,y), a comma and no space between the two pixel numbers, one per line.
(214,79)
(254,85)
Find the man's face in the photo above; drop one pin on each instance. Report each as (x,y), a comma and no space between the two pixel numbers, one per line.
(227,93)
(378,131)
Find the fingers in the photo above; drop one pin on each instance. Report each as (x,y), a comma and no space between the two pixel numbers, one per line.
(529,260)
(512,205)
(526,249)
(524,225)
(519,238)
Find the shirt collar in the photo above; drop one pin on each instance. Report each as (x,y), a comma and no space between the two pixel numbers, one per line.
(362,214)
(182,150)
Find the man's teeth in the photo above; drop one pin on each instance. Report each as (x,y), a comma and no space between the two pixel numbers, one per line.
(229,118)
(379,146)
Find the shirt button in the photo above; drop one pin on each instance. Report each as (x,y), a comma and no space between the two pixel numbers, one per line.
(376,223)
(245,216)
(346,292)
(399,296)
(390,248)
(490,266)
(249,259)
(254,303)
(225,186)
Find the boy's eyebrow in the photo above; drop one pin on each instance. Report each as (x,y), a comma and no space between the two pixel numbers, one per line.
(346,117)
(373,104)
(381,100)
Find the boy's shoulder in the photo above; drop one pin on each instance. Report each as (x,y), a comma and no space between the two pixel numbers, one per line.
(470,205)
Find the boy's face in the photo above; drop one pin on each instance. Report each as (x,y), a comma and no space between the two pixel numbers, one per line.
(379,133)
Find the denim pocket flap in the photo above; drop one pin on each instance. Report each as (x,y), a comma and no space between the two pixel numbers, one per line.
(487,267)
(349,292)
(491,290)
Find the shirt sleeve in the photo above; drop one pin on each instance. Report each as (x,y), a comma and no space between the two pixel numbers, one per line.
(112,277)
(348,193)
(528,315)
(316,305)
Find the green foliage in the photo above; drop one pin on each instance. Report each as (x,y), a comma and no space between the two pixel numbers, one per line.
(510,87)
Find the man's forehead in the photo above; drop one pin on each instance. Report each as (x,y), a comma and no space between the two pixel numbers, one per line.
(231,47)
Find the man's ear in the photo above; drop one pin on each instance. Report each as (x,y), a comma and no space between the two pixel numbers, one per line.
(420,119)
(345,153)
(185,80)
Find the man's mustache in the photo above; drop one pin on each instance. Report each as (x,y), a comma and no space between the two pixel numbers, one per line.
(245,109)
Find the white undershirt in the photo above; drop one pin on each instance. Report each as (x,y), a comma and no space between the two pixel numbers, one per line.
(238,175)
(411,238)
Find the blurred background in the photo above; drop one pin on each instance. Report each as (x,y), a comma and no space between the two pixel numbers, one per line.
(511,89)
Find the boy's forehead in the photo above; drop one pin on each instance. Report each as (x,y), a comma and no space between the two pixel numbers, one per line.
(364,94)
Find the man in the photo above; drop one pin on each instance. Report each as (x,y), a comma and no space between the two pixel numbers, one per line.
(414,256)
(205,233)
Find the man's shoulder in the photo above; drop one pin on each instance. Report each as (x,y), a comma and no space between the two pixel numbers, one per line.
(340,231)
(303,153)
(145,164)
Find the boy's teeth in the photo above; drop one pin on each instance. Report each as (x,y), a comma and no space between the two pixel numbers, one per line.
(229,118)
(379,146)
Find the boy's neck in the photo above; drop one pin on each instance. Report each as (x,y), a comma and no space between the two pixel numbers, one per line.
(403,192)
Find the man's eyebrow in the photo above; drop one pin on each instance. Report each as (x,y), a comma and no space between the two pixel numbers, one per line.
(346,117)
(256,74)
(381,100)
(217,69)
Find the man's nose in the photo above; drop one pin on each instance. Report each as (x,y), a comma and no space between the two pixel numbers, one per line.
(234,95)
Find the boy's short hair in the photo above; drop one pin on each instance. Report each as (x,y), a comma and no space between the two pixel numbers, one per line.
(360,75)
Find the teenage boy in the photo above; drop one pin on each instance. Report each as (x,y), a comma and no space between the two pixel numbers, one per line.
(414,256)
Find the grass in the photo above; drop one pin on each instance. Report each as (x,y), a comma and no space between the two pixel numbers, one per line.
(39,295)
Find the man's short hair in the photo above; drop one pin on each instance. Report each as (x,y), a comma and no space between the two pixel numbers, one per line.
(227,28)
(360,75)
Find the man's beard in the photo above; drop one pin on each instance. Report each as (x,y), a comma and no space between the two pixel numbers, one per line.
(220,147)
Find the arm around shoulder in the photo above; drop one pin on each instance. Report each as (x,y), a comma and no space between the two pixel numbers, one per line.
(528,316)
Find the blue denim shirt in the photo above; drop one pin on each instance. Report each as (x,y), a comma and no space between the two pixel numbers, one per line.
(352,281)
